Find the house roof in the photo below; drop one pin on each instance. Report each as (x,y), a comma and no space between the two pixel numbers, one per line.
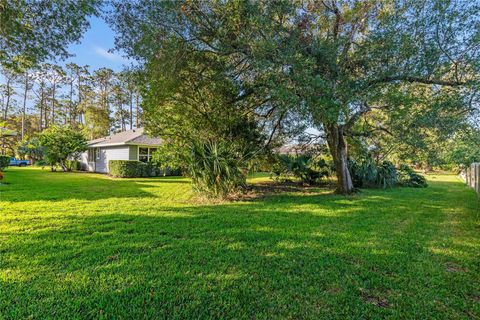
(130,137)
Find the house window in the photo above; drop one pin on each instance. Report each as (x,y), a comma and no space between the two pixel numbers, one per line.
(145,154)
(92,154)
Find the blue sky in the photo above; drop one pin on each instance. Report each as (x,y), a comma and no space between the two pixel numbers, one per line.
(93,49)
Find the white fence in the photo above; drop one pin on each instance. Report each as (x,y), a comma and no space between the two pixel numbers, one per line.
(472,176)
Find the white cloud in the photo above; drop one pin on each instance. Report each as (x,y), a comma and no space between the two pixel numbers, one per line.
(109,55)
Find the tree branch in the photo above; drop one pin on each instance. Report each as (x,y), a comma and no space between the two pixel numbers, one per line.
(357,115)
(440,82)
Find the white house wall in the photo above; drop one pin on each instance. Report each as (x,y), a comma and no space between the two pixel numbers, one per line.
(113,153)
(105,154)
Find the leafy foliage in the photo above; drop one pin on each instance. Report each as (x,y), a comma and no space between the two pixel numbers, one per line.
(132,169)
(409,178)
(60,144)
(306,167)
(329,64)
(31,149)
(4,162)
(369,174)
(464,148)
(32,31)
(216,168)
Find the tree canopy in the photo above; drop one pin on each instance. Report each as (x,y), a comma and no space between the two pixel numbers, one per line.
(61,143)
(290,64)
(32,31)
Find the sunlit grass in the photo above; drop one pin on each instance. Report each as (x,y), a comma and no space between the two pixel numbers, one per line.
(77,245)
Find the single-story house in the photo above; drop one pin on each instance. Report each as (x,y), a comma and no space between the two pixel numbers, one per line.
(128,145)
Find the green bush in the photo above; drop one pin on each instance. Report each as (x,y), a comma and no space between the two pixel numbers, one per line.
(132,169)
(4,162)
(40,163)
(307,168)
(387,175)
(216,169)
(369,174)
(409,178)
(61,143)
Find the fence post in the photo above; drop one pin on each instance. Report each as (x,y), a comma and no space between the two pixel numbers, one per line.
(472,177)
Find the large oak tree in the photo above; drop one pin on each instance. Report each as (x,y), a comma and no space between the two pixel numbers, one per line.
(329,62)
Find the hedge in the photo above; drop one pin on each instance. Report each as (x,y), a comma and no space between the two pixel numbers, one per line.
(132,169)
(4,162)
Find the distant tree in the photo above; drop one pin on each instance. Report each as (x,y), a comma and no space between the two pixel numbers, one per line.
(71,80)
(96,118)
(96,102)
(119,98)
(56,77)
(414,130)
(31,148)
(41,96)
(61,143)
(7,92)
(129,81)
(464,148)
(82,77)
(26,81)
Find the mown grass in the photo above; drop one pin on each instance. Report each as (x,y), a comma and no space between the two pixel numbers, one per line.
(76,245)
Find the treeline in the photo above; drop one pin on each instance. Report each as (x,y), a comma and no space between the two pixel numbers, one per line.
(96,103)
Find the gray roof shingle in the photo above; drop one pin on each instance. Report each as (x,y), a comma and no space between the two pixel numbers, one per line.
(130,137)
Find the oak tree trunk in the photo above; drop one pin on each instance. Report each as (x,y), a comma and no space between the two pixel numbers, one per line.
(338,148)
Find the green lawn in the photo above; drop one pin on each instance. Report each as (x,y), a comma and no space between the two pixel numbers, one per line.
(77,245)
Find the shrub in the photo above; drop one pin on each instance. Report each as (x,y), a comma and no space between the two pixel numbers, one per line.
(409,178)
(369,174)
(386,175)
(132,169)
(4,162)
(305,167)
(216,168)
(40,163)
(60,144)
